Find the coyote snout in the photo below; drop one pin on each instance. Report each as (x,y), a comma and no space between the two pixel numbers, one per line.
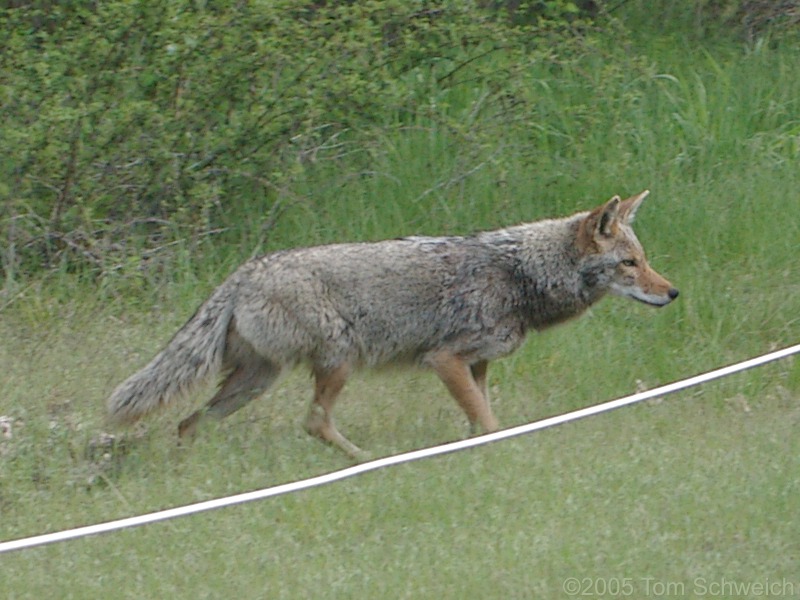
(451,304)
(636,279)
(640,292)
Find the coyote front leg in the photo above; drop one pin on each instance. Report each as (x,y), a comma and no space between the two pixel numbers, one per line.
(467,384)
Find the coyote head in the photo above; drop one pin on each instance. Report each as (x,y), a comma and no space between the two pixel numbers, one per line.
(613,258)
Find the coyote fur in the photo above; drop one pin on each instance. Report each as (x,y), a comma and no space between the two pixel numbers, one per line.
(448,303)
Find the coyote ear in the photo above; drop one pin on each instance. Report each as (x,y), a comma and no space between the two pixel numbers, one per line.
(628,208)
(609,213)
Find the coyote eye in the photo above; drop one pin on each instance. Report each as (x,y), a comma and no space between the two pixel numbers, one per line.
(629,262)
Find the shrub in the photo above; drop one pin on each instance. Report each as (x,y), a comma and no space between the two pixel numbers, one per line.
(153,122)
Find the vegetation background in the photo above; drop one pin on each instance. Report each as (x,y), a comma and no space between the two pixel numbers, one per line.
(149,148)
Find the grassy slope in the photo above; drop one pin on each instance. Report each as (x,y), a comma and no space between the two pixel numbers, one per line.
(699,488)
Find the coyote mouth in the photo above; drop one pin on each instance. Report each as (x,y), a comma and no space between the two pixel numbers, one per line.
(651,299)
(657,301)
(657,304)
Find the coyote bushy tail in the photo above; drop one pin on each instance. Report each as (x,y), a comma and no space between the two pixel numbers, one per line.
(194,354)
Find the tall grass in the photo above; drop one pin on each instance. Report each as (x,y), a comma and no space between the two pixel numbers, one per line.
(695,489)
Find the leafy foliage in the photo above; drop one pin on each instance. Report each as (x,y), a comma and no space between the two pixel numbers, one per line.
(129,126)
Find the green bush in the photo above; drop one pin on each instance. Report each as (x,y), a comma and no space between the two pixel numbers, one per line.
(130,126)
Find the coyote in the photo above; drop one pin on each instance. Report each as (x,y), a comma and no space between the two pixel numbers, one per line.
(448,303)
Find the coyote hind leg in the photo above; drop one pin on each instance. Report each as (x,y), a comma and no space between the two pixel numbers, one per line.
(248,380)
(319,422)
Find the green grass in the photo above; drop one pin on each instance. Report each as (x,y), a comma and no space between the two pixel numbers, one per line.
(696,489)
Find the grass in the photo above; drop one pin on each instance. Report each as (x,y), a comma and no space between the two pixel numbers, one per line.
(694,490)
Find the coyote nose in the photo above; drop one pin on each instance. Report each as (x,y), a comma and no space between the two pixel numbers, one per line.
(673,293)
